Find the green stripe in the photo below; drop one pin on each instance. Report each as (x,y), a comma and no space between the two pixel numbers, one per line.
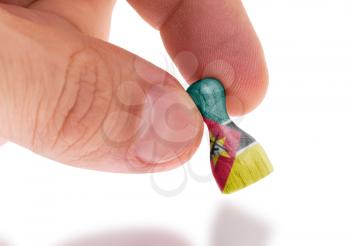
(209,96)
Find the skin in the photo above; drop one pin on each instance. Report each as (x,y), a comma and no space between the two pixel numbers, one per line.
(68,94)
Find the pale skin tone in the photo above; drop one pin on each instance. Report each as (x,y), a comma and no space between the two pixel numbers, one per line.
(69,95)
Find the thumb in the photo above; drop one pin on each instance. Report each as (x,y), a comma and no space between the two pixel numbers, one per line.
(87,103)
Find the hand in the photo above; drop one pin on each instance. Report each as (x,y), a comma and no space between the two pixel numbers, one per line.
(67,94)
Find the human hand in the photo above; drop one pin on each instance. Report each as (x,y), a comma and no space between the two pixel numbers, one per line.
(67,94)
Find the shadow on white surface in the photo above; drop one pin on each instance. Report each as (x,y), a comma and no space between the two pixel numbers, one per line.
(3,243)
(233,226)
(132,237)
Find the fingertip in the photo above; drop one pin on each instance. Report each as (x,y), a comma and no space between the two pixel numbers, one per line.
(178,158)
(217,40)
(246,94)
(174,129)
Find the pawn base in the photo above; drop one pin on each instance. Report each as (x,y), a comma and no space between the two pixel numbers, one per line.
(251,164)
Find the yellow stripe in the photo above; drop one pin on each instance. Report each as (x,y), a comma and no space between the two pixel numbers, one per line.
(250,166)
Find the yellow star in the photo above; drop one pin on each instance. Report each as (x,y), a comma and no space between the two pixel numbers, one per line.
(217,148)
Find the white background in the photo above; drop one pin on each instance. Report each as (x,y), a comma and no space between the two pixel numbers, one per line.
(303,125)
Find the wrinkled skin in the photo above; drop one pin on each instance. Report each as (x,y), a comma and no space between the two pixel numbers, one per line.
(68,94)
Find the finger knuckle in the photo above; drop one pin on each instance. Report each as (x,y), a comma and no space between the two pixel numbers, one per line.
(83,103)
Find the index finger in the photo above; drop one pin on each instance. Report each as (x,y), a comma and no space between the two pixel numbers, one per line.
(212,39)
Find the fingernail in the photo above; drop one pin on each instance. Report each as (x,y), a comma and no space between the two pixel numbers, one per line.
(173,125)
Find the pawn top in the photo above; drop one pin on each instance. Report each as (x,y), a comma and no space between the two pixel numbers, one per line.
(210,98)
